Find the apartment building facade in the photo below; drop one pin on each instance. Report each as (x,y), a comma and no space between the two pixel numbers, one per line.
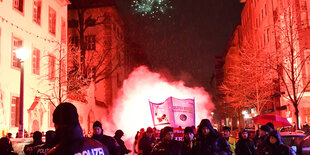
(276,28)
(39,26)
(99,56)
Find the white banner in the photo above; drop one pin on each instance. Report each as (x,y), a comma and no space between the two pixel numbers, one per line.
(174,112)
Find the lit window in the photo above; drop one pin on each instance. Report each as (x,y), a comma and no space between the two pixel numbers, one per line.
(307,57)
(19,5)
(51,110)
(36,61)
(303,14)
(51,67)
(15,106)
(63,31)
(90,42)
(37,11)
(16,44)
(52,21)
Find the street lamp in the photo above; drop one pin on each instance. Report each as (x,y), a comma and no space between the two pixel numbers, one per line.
(21,54)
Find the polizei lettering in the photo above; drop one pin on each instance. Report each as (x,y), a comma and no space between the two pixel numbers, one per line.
(93,151)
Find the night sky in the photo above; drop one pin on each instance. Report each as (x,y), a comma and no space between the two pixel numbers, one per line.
(183,43)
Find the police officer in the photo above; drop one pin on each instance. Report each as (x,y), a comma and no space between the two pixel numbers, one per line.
(49,144)
(69,134)
(37,140)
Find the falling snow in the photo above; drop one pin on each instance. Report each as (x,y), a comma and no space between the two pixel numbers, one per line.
(151,8)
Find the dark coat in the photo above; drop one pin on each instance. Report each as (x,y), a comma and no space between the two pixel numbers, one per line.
(72,142)
(42,149)
(6,147)
(122,145)
(188,148)
(172,147)
(261,144)
(279,148)
(213,143)
(146,144)
(30,147)
(109,142)
(245,147)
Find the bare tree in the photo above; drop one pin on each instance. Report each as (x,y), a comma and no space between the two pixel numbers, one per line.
(248,79)
(96,60)
(290,60)
(55,76)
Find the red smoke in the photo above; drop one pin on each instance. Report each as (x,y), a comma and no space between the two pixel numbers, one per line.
(132,110)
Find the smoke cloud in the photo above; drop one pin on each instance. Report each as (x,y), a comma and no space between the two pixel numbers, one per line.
(132,110)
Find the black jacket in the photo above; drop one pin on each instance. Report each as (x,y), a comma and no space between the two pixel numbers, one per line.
(122,146)
(42,149)
(109,142)
(172,147)
(245,147)
(279,148)
(30,147)
(146,144)
(75,143)
(212,143)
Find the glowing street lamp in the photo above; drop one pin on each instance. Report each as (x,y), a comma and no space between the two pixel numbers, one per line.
(21,54)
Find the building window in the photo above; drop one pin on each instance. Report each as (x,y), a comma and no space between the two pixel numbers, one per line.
(74,41)
(90,42)
(63,31)
(15,106)
(52,21)
(17,43)
(267,35)
(51,67)
(19,5)
(36,61)
(37,11)
(51,110)
(303,14)
(307,58)
(265,9)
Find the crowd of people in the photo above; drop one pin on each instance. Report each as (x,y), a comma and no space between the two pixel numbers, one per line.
(68,139)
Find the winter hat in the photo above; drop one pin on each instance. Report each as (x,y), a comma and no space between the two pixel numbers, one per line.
(149,130)
(97,124)
(188,130)
(166,130)
(265,128)
(270,125)
(66,114)
(226,128)
(119,133)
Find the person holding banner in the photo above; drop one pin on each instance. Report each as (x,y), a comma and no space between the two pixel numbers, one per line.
(209,141)
(167,145)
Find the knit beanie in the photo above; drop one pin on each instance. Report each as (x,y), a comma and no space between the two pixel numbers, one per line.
(188,130)
(166,130)
(97,124)
(265,128)
(149,130)
(66,114)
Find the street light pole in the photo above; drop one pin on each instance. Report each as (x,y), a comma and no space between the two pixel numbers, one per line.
(21,54)
(21,108)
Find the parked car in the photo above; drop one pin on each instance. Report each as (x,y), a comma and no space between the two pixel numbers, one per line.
(293,139)
(304,148)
